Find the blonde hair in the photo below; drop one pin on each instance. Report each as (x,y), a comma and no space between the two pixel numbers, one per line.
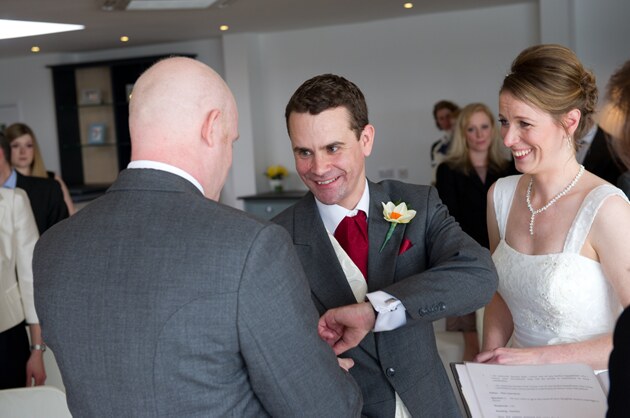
(16,130)
(618,95)
(551,78)
(458,156)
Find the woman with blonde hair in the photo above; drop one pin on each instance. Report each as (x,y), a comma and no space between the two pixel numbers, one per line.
(27,159)
(476,159)
(558,234)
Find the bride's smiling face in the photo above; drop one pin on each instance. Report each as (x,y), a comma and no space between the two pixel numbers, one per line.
(536,139)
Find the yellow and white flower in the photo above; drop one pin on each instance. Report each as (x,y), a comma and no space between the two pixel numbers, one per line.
(395,214)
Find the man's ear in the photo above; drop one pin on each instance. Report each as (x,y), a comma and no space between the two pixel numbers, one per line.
(366,139)
(211,127)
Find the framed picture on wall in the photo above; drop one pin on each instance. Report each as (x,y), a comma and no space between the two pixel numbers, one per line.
(97,133)
(91,96)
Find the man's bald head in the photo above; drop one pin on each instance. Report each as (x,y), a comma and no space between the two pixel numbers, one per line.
(178,106)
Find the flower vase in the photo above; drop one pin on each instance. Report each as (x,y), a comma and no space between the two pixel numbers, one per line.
(276,185)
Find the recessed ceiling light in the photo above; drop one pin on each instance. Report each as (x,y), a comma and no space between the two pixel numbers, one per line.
(224,27)
(124,39)
(19,28)
(408,5)
(35,48)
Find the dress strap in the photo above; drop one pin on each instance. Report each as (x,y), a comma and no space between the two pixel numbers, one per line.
(586,215)
(503,196)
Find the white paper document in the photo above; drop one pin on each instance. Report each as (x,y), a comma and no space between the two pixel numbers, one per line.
(541,391)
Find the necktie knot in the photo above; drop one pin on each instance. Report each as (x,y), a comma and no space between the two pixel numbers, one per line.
(352,235)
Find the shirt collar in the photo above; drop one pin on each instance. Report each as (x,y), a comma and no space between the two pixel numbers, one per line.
(588,137)
(332,215)
(156,165)
(11,182)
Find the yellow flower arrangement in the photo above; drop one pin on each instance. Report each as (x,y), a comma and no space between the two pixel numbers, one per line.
(276,172)
(396,214)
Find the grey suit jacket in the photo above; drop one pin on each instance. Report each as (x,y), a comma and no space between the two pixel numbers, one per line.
(160,302)
(444,273)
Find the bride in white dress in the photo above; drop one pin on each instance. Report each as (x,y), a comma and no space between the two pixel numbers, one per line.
(560,236)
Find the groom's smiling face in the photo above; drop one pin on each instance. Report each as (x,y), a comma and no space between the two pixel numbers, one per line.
(329,157)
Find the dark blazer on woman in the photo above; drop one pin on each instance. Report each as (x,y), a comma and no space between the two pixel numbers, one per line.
(46,200)
(465,195)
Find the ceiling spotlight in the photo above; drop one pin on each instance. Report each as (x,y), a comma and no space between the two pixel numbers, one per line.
(408,5)
(35,49)
(224,28)
(124,39)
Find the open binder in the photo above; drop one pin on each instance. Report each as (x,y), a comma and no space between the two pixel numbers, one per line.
(547,390)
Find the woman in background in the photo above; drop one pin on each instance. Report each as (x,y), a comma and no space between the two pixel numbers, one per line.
(19,365)
(558,234)
(27,159)
(617,120)
(476,159)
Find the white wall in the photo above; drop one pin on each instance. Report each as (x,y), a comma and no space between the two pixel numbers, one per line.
(27,82)
(402,65)
(602,36)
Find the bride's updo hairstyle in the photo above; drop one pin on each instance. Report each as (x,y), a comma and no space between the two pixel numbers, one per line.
(551,78)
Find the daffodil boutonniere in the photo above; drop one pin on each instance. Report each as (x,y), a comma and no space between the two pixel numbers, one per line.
(396,214)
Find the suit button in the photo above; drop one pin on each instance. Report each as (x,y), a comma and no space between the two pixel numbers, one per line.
(390,372)
(422,311)
(442,306)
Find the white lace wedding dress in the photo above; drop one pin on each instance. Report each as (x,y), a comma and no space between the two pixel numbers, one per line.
(555,298)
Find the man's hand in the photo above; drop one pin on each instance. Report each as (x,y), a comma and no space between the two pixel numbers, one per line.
(343,328)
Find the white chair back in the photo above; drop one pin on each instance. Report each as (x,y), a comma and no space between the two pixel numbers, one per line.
(33,402)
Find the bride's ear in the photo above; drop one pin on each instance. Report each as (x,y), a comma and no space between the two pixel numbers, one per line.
(571,121)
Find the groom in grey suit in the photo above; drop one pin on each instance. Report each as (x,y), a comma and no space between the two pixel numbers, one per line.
(426,270)
(160,301)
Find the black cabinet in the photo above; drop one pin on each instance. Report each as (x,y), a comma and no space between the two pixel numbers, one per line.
(267,205)
(91,102)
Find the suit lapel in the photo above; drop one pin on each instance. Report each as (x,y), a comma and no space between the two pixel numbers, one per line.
(382,265)
(326,277)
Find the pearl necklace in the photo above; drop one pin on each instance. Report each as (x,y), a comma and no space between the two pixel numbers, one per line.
(551,202)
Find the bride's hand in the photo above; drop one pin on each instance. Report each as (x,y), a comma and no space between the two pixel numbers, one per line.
(504,355)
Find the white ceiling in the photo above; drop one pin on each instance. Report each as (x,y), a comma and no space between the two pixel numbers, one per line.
(103,29)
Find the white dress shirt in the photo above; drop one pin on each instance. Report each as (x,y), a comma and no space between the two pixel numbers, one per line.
(156,165)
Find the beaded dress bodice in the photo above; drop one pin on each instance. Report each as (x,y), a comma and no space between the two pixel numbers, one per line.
(554,298)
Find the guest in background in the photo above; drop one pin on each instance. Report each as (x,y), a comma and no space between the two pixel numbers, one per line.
(596,154)
(476,159)
(160,301)
(559,234)
(27,159)
(19,365)
(44,194)
(444,114)
(617,118)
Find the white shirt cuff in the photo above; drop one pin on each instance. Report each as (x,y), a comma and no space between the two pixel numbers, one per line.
(391,312)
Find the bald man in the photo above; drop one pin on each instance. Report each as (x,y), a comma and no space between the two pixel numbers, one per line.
(159,301)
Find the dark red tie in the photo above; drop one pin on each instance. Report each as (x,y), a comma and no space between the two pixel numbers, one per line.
(352,235)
